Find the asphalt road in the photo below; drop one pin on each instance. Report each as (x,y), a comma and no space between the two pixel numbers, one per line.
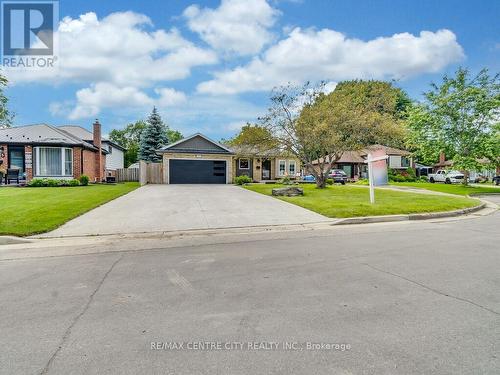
(402,298)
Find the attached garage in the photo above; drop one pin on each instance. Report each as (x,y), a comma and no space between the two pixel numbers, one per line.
(183,171)
(197,160)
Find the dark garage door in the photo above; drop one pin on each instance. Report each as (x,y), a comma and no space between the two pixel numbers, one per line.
(197,171)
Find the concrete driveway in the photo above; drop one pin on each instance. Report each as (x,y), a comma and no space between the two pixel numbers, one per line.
(158,208)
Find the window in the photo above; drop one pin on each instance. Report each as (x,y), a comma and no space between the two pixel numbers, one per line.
(110,149)
(291,167)
(282,167)
(54,161)
(68,162)
(405,162)
(244,164)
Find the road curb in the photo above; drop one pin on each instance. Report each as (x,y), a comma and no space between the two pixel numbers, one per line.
(423,216)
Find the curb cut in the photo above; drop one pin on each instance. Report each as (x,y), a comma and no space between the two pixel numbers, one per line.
(424,216)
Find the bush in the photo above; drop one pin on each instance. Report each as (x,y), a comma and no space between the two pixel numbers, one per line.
(286,180)
(329,181)
(84,180)
(242,180)
(398,178)
(36,182)
(50,182)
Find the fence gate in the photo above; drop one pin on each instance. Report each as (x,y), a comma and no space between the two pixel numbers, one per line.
(150,173)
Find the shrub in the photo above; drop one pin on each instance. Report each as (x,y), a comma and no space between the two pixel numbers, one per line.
(242,180)
(329,181)
(286,180)
(36,182)
(50,182)
(84,180)
(399,178)
(62,183)
(74,182)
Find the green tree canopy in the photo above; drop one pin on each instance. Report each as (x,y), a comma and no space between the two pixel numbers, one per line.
(459,117)
(318,128)
(5,115)
(153,137)
(129,138)
(254,136)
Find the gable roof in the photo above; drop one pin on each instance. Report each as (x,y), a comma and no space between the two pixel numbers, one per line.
(41,134)
(196,143)
(78,131)
(84,134)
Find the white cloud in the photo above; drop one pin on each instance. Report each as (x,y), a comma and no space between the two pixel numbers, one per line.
(170,97)
(236,26)
(92,100)
(122,49)
(327,54)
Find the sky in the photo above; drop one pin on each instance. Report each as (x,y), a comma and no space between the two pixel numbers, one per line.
(209,66)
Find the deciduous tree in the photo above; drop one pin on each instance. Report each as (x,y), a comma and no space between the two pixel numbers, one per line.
(459,117)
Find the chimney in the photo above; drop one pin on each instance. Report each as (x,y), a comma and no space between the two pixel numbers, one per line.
(442,158)
(96,131)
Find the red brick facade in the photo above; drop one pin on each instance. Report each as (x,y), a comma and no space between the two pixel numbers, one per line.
(28,162)
(77,162)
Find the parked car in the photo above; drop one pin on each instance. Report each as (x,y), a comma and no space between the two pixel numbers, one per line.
(448,177)
(338,176)
(496,180)
(309,178)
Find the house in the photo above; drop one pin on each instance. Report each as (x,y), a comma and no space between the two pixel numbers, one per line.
(114,158)
(353,162)
(487,172)
(198,159)
(46,151)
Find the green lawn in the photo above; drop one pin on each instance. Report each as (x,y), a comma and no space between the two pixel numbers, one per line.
(348,201)
(26,211)
(458,189)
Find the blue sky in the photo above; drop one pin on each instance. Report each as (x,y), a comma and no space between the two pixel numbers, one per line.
(209,65)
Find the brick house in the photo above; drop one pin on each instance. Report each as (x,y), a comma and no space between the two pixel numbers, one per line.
(46,151)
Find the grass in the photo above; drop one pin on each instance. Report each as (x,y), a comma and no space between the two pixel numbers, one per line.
(457,189)
(26,211)
(349,201)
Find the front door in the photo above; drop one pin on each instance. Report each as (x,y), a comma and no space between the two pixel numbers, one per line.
(266,169)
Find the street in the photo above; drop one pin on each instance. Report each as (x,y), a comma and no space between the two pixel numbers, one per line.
(389,298)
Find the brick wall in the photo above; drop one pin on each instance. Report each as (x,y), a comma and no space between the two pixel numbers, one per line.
(77,162)
(28,162)
(89,161)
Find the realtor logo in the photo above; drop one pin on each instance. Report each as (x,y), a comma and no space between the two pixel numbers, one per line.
(28,33)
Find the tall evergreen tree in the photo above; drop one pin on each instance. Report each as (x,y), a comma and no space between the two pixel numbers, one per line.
(153,137)
(5,115)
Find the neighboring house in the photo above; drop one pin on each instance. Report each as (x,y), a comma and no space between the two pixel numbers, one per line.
(486,172)
(353,162)
(199,160)
(115,152)
(46,151)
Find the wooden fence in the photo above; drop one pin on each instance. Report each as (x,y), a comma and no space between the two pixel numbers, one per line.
(126,174)
(150,173)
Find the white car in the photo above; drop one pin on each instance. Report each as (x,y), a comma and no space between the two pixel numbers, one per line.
(448,177)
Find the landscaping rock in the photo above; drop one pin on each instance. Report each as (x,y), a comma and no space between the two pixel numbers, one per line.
(291,191)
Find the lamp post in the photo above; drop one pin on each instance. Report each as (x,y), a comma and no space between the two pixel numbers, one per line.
(370,160)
